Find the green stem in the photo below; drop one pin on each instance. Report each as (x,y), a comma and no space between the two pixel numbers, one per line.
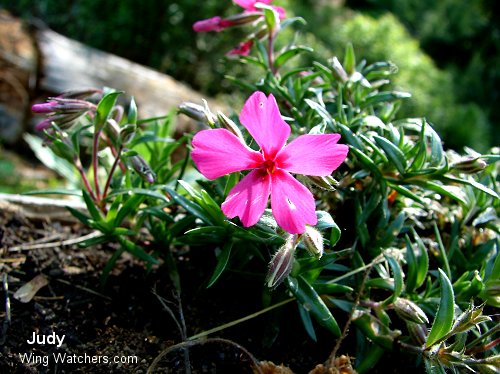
(238,321)
(111,172)
(442,252)
(85,180)
(95,164)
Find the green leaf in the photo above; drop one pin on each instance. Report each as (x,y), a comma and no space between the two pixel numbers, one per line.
(140,192)
(222,261)
(472,183)
(136,250)
(94,241)
(104,109)
(329,288)
(91,207)
(349,59)
(366,162)
(397,273)
(289,54)
(55,191)
(80,216)
(191,207)
(394,154)
(449,191)
(310,301)
(129,207)
(132,112)
(307,322)
(444,317)
(384,97)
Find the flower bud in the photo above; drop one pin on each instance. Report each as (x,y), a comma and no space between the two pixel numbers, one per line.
(339,71)
(48,107)
(229,124)
(282,262)
(214,24)
(192,110)
(79,94)
(142,168)
(469,165)
(469,319)
(417,331)
(313,240)
(127,133)
(198,112)
(242,18)
(410,311)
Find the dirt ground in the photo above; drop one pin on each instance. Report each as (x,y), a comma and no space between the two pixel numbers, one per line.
(125,319)
(125,324)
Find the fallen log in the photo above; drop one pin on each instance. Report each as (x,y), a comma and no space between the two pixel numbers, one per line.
(36,62)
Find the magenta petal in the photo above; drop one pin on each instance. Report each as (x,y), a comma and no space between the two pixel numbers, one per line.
(292,203)
(218,152)
(248,199)
(261,116)
(250,4)
(317,155)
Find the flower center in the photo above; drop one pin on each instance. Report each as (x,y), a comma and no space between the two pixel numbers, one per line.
(269,166)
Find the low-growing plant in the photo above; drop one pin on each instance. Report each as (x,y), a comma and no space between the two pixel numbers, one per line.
(400,242)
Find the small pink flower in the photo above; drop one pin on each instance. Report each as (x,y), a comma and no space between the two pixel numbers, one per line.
(243,49)
(249,6)
(218,152)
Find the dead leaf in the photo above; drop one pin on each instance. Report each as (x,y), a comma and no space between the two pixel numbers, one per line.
(26,292)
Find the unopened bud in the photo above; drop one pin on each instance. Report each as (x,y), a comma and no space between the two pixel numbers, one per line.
(229,124)
(192,110)
(410,311)
(198,112)
(127,133)
(418,332)
(142,168)
(339,71)
(282,262)
(469,165)
(58,119)
(326,183)
(242,18)
(313,240)
(470,319)
(80,94)
(64,148)
(112,129)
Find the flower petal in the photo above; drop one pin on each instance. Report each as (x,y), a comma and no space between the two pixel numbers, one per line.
(248,199)
(317,155)
(250,4)
(292,203)
(218,152)
(261,116)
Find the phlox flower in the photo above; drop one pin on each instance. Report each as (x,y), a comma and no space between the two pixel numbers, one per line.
(217,152)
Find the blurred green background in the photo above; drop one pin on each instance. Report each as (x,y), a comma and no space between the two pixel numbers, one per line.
(447,51)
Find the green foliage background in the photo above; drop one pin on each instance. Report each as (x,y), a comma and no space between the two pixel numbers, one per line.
(447,51)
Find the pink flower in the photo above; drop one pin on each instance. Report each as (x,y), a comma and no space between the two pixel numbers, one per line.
(218,152)
(249,6)
(243,49)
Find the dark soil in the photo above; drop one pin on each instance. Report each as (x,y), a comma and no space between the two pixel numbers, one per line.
(126,320)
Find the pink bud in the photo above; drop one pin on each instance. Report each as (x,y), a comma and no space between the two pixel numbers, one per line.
(211,24)
(48,107)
